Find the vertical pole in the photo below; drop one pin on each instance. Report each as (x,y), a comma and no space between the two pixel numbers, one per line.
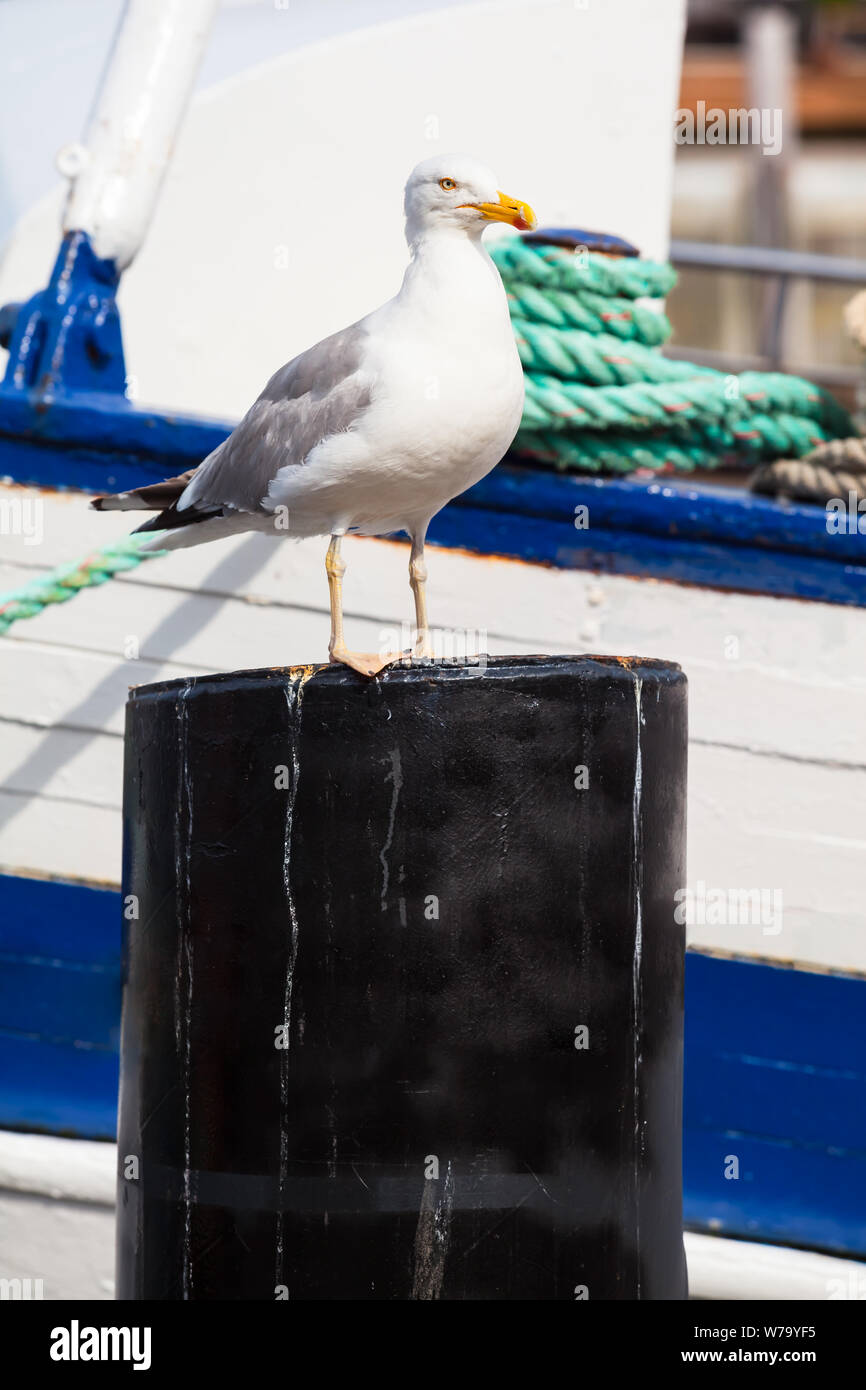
(770,36)
(117,172)
(403,984)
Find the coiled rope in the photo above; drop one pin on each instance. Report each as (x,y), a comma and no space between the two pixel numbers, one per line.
(600,397)
(834,470)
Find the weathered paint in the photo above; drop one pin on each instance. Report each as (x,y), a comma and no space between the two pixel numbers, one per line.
(66,339)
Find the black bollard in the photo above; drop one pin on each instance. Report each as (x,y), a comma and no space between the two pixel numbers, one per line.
(403,984)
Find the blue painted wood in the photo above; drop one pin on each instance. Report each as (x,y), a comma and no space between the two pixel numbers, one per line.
(67,337)
(776,1077)
(674,509)
(747,569)
(775,1068)
(700,535)
(97,426)
(58,1088)
(72,922)
(786,1197)
(59,1006)
(40,995)
(81,436)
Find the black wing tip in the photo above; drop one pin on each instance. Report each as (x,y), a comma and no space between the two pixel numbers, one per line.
(173,520)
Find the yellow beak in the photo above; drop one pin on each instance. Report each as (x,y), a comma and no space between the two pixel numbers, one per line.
(508,209)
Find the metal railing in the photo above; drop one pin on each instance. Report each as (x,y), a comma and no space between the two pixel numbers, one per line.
(780,266)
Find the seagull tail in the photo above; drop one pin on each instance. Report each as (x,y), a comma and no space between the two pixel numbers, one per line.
(161,498)
(153,497)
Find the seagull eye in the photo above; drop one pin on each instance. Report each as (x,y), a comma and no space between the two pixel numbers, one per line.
(447,183)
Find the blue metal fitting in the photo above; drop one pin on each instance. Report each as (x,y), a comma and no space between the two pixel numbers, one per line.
(67,337)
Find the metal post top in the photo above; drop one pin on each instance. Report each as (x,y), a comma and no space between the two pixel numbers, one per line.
(441,673)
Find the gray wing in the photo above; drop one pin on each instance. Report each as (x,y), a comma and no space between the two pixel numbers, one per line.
(320,393)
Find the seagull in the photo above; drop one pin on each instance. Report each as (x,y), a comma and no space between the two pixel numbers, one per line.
(378,426)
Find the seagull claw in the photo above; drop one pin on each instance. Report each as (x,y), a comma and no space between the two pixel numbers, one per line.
(365,663)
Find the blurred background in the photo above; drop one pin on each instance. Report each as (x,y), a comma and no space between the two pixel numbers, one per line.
(808,59)
(803,58)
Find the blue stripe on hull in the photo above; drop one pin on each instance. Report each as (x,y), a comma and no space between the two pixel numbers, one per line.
(775,1067)
(695,534)
(746,569)
(776,1078)
(59,1006)
(58,1087)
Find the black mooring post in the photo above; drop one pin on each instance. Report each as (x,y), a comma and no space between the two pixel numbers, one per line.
(403,984)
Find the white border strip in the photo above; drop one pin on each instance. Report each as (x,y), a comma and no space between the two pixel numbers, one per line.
(741,1269)
(79,1170)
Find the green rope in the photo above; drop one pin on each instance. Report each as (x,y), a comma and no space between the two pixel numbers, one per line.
(600,397)
(552,267)
(588,312)
(745,400)
(597,359)
(706,447)
(67,580)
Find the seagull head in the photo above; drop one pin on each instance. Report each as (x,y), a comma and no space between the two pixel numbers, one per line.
(451,192)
